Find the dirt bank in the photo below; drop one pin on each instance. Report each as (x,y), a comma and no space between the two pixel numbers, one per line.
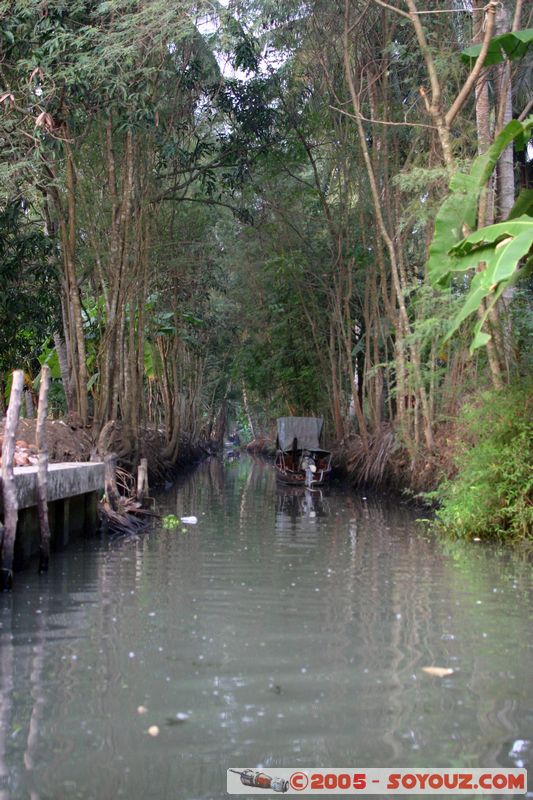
(69,440)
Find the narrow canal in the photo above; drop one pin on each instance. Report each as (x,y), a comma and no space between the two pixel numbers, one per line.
(284,629)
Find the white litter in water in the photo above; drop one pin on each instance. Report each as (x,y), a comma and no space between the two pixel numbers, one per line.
(519,751)
(189,520)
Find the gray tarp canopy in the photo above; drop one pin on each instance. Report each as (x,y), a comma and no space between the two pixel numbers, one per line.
(306,430)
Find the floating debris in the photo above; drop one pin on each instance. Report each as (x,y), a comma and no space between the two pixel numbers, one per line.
(189,520)
(141,710)
(153,730)
(178,719)
(438,672)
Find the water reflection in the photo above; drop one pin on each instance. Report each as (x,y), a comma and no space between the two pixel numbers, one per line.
(295,504)
(287,628)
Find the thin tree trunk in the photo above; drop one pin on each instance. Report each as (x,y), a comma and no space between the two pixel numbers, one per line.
(247,409)
(42,493)
(403,328)
(506,186)
(8,482)
(63,367)
(486,206)
(28,403)
(110,480)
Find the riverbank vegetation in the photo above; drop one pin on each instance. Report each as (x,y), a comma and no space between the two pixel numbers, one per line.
(233,212)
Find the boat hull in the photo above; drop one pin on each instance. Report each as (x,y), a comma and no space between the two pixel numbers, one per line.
(289,470)
(299,478)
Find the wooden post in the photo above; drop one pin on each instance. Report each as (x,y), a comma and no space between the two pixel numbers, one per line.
(42,493)
(8,482)
(111,490)
(142,481)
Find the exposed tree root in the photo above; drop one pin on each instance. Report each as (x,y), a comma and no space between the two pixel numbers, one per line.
(389,463)
(368,467)
(128,519)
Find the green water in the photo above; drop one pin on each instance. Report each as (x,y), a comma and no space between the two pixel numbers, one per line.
(284,629)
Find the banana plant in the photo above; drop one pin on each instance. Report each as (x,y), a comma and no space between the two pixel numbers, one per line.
(510,45)
(497,251)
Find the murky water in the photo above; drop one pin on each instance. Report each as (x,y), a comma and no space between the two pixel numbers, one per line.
(284,629)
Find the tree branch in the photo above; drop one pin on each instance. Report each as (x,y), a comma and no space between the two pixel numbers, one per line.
(383,121)
(470,82)
(517,16)
(392,8)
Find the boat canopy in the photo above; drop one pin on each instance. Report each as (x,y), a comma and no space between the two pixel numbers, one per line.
(306,431)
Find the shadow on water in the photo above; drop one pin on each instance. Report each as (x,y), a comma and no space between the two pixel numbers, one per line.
(286,628)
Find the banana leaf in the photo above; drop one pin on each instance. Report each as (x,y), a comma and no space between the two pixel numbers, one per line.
(509,45)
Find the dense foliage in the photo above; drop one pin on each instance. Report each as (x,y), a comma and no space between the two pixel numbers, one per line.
(267,208)
(29,307)
(492,494)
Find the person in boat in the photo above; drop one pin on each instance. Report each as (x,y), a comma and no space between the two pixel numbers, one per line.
(235,438)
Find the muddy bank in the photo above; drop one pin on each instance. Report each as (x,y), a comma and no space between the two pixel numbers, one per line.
(69,440)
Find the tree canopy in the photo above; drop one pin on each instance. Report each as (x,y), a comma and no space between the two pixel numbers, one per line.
(308,208)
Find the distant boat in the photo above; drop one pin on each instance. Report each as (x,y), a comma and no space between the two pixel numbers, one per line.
(300,460)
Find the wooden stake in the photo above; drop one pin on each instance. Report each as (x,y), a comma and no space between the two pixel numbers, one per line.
(111,490)
(142,481)
(8,483)
(42,471)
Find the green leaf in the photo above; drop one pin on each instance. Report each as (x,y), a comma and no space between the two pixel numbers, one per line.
(484,165)
(493,234)
(171,522)
(480,337)
(49,357)
(478,290)
(460,208)
(192,319)
(511,45)
(500,272)
(480,340)
(508,256)
(152,361)
(462,262)
(522,140)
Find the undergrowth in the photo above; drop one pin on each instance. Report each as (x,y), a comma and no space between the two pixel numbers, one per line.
(491,495)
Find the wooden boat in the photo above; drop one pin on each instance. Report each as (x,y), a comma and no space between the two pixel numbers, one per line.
(300,460)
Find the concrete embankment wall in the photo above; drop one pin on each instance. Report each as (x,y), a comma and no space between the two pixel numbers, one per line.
(73,491)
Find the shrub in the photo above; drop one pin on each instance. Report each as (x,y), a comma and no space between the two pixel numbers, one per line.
(492,493)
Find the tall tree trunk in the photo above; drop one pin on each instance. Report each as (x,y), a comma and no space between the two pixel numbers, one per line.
(63,367)
(487,202)
(505,183)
